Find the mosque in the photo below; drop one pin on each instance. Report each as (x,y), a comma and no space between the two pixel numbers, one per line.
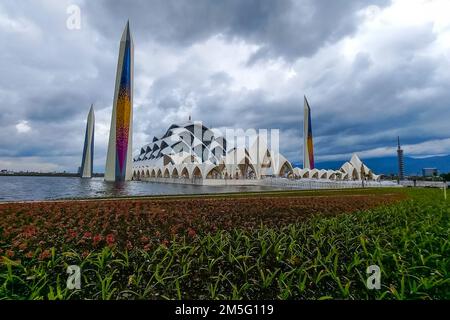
(192,153)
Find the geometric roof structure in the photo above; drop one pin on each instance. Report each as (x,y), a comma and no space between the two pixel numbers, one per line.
(191,139)
(193,150)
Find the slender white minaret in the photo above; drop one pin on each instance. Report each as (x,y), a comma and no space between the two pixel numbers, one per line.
(119,157)
(88,150)
(308,148)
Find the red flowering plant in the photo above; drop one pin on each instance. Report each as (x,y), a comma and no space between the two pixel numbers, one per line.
(96,240)
(110,240)
(191,232)
(83,226)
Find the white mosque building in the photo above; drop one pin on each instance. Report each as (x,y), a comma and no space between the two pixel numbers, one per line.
(191,153)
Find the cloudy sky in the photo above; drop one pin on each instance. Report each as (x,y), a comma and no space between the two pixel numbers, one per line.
(371,70)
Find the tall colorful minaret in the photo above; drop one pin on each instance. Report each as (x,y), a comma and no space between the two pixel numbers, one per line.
(308,149)
(118,160)
(88,149)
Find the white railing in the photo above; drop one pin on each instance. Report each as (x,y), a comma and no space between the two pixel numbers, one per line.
(311,184)
(285,183)
(419,183)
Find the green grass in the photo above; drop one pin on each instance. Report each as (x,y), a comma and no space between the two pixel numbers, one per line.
(320,258)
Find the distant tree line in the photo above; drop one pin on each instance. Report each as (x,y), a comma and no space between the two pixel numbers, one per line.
(47,174)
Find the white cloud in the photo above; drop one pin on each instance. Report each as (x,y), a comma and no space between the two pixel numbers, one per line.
(23,127)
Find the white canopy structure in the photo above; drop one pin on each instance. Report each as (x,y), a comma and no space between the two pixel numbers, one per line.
(353,170)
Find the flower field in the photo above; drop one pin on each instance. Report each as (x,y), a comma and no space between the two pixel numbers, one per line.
(280,246)
(128,224)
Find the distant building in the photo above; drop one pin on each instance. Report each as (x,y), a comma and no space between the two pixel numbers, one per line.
(401,163)
(429,172)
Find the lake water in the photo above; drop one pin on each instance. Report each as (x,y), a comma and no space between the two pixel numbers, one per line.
(14,188)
